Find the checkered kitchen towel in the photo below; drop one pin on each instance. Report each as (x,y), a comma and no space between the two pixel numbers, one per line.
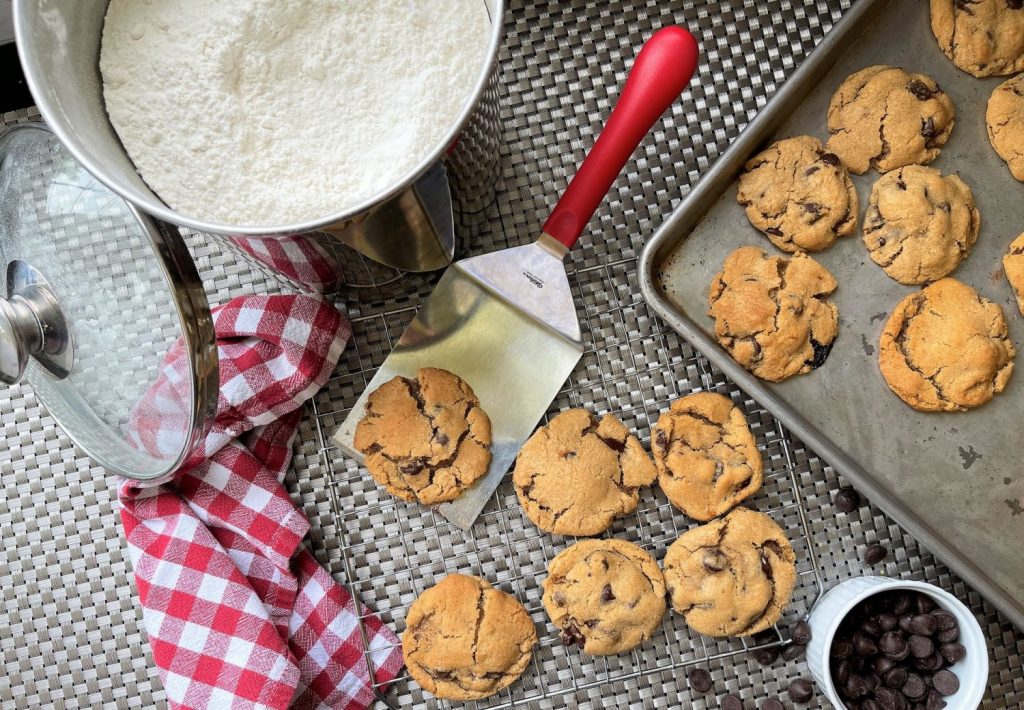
(296,256)
(238,612)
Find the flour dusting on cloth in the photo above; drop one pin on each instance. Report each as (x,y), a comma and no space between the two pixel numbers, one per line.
(262,112)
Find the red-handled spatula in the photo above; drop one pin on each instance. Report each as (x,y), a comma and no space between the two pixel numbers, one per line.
(506,322)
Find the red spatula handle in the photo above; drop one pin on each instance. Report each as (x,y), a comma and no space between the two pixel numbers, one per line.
(660,73)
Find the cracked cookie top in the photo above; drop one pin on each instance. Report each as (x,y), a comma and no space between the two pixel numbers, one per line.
(946,348)
(1013,265)
(465,640)
(884,118)
(981,37)
(575,475)
(1005,121)
(919,224)
(706,456)
(733,576)
(607,596)
(426,439)
(800,196)
(772,313)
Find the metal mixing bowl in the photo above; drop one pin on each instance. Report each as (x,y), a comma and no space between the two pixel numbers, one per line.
(59,45)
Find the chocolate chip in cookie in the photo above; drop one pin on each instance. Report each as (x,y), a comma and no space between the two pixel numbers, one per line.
(772,314)
(466,640)
(706,456)
(799,195)
(577,474)
(981,37)
(946,348)
(883,117)
(733,576)
(605,596)
(920,224)
(425,439)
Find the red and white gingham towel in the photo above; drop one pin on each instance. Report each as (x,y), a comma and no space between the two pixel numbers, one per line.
(238,612)
(297,256)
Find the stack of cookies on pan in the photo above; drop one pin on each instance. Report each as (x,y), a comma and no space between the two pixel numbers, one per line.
(427,440)
(945,347)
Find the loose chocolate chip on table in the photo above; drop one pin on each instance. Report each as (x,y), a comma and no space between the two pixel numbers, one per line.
(766,656)
(952,652)
(846,500)
(700,680)
(801,690)
(924,624)
(731,702)
(920,646)
(946,682)
(802,633)
(875,554)
(915,687)
(772,704)
(793,651)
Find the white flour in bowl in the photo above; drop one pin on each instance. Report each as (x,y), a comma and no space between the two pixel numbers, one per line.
(270,112)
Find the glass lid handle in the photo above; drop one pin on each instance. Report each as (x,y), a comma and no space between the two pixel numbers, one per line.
(32,325)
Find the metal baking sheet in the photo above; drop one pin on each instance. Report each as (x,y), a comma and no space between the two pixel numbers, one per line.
(954,480)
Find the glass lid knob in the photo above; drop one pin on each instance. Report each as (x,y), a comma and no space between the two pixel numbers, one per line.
(32,325)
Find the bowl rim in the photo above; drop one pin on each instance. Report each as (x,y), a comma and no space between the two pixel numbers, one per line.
(152,204)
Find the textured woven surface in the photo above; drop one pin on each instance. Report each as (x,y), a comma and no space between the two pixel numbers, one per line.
(70,628)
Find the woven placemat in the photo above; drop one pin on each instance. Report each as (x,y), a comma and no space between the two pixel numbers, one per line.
(71,632)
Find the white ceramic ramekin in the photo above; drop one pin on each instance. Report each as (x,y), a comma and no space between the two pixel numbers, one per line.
(835,604)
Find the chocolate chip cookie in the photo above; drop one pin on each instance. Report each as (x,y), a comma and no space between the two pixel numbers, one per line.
(920,224)
(1013,265)
(465,640)
(706,456)
(733,576)
(772,314)
(946,348)
(576,475)
(884,118)
(1005,121)
(982,37)
(607,596)
(426,439)
(800,196)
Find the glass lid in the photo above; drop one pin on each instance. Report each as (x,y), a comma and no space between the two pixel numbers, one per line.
(102,312)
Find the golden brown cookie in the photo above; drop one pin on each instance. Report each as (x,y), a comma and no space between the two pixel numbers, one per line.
(982,37)
(772,313)
(465,640)
(884,118)
(425,439)
(800,196)
(946,348)
(1013,265)
(706,456)
(733,576)
(1005,121)
(575,475)
(919,224)
(607,596)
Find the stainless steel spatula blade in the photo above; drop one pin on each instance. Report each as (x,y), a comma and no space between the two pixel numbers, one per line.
(512,334)
(506,322)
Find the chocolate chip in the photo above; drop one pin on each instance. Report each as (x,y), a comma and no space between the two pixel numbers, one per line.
(774,231)
(925,604)
(793,651)
(889,699)
(919,89)
(559,599)
(571,635)
(606,594)
(821,352)
(875,554)
(952,653)
(869,704)
(920,646)
(948,635)
(944,621)
(1015,4)
(934,701)
(830,159)
(802,633)
(411,468)
(843,671)
(905,621)
(772,704)
(700,680)
(901,604)
(855,687)
(895,677)
(846,499)
(661,439)
(893,645)
(766,567)
(864,645)
(731,702)
(442,439)
(915,687)
(766,656)
(887,621)
(812,208)
(591,623)
(872,628)
(924,624)
(801,691)
(714,560)
(928,129)
(929,663)
(841,648)
(883,665)
(811,170)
